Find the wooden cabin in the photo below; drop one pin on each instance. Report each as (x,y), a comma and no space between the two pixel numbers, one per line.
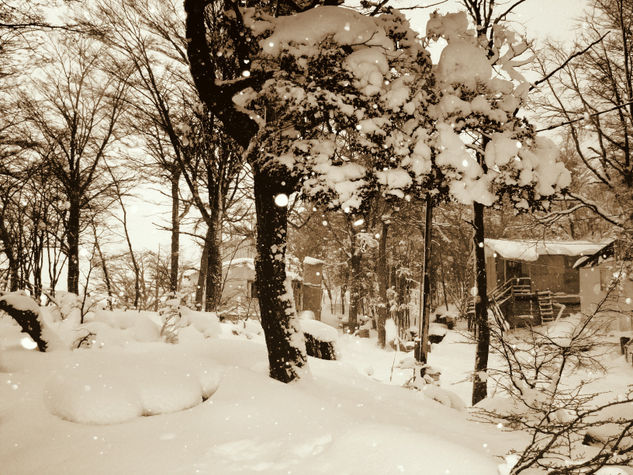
(239,290)
(531,280)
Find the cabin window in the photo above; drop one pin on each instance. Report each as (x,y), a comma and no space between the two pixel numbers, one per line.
(252,289)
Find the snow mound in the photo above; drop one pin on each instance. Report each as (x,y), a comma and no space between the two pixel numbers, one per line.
(112,327)
(437,329)
(21,301)
(444,396)
(109,388)
(206,323)
(319,330)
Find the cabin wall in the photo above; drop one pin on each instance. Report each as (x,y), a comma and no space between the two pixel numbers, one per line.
(549,272)
(594,282)
(236,294)
(553,273)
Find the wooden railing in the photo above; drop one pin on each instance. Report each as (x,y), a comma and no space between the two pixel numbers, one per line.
(513,287)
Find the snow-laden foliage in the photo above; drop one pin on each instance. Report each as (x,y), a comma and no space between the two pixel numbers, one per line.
(345,109)
(354,107)
(490,149)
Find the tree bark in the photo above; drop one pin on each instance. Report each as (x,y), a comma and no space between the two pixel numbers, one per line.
(383,281)
(175,231)
(202,274)
(72,238)
(355,287)
(423,332)
(104,268)
(480,385)
(286,346)
(213,291)
(14,275)
(342,292)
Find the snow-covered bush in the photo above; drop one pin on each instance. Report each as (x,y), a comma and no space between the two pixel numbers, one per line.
(425,378)
(532,394)
(172,320)
(320,339)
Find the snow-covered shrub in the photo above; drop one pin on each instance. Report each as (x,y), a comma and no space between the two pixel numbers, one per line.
(172,320)
(425,378)
(532,394)
(107,329)
(320,339)
(206,323)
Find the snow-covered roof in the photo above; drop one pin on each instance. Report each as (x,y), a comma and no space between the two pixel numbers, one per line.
(531,250)
(241,261)
(293,271)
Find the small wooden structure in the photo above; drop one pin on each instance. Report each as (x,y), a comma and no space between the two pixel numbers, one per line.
(530,280)
(312,286)
(606,285)
(239,291)
(518,304)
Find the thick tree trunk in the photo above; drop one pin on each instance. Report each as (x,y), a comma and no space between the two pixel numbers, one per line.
(383,281)
(175,232)
(213,292)
(423,330)
(284,339)
(72,238)
(480,390)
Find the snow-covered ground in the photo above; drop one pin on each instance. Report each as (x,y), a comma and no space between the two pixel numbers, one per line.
(206,405)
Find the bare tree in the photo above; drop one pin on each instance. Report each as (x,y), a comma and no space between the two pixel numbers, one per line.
(593,94)
(73,110)
(181,135)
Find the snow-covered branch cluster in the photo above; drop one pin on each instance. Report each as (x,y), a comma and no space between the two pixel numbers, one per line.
(490,148)
(354,107)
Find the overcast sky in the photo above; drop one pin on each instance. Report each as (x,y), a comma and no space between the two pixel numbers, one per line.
(538,18)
